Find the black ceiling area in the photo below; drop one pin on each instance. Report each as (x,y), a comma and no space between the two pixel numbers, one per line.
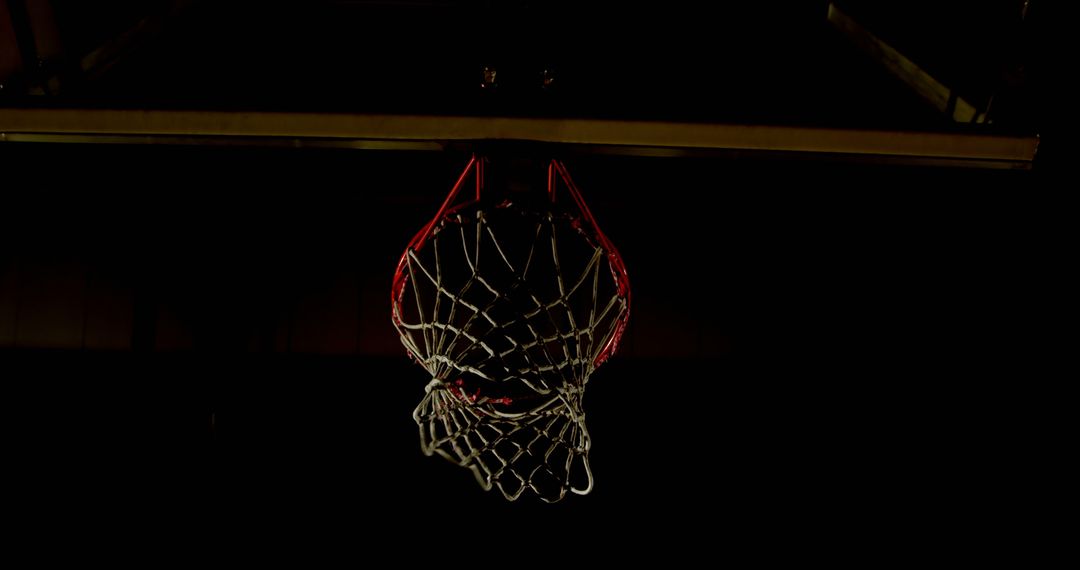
(762,62)
(823,209)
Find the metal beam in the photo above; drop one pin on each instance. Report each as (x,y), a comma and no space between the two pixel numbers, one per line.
(97,62)
(942,97)
(407,131)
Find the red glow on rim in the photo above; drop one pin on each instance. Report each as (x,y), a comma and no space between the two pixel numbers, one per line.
(556,171)
(458,390)
(425,232)
(615,261)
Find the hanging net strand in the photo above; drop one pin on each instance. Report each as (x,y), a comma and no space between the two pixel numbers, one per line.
(510,308)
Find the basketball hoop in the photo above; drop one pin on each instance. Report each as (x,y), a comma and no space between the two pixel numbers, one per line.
(510,304)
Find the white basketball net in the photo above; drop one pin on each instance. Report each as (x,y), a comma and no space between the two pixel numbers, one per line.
(510,309)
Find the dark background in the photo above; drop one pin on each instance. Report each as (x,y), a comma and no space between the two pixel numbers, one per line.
(206,333)
(195,341)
